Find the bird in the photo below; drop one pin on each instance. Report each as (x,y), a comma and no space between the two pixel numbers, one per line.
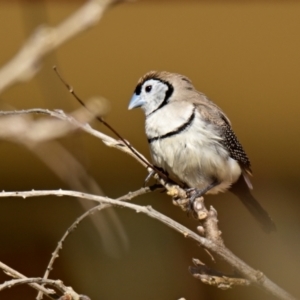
(191,139)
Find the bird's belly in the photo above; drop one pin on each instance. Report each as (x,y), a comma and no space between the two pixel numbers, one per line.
(195,162)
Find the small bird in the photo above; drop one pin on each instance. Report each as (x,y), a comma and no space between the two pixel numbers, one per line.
(192,141)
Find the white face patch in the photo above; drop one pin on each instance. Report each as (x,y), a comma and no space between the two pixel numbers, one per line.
(153,94)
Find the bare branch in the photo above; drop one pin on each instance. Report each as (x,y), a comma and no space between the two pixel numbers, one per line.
(254,276)
(59,114)
(216,278)
(15,274)
(209,220)
(26,63)
(116,133)
(68,292)
(67,167)
(212,240)
(37,136)
(94,209)
(11,283)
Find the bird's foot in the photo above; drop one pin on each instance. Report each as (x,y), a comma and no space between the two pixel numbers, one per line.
(194,193)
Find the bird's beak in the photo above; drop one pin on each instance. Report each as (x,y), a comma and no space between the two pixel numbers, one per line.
(136,101)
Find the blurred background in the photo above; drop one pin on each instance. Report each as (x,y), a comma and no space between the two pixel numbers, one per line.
(244,55)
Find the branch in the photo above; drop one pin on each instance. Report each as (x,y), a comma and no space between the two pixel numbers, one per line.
(28,132)
(68,292)
(26,62)
(89,212)
(13,273)
(116,133)
(216,278)
(11,283)
(212,242)
(254,276)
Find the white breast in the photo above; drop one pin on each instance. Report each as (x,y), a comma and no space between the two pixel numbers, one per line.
(194,156)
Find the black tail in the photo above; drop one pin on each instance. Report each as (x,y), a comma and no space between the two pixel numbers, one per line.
(241,190)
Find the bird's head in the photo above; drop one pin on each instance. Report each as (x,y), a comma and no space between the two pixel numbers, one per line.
(155,89)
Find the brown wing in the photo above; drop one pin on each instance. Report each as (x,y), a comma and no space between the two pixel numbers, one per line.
(234,147)
(214,115)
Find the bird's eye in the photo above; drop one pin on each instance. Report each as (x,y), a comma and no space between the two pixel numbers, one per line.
(148,88)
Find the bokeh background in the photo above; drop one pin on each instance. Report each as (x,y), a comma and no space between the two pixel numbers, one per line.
(245,55)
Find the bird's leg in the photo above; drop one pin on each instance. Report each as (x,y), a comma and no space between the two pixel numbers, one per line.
(196,193)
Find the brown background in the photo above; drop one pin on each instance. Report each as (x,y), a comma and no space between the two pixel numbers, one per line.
(245,56)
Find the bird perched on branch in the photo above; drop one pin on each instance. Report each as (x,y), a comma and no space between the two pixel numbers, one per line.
(191,139)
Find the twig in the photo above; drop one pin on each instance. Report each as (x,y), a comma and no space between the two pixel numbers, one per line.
(216,278)
(100,119)
(254,276)
(11,283)
(59,114)
(62,240)
(68,292)
(99,207)
(63,163)
(13,273)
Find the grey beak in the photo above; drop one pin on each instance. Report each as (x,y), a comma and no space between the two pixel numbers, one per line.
(136,101)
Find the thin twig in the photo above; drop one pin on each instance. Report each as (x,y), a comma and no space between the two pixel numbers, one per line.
(15,274)
(58,284)
(112,129)
(67,167)
(216,278)
(59,114)
(11,283)
(89,212)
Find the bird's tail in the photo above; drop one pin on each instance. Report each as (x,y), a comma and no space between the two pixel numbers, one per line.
(241,190)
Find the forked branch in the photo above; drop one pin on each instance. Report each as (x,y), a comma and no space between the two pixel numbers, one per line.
(254,276)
